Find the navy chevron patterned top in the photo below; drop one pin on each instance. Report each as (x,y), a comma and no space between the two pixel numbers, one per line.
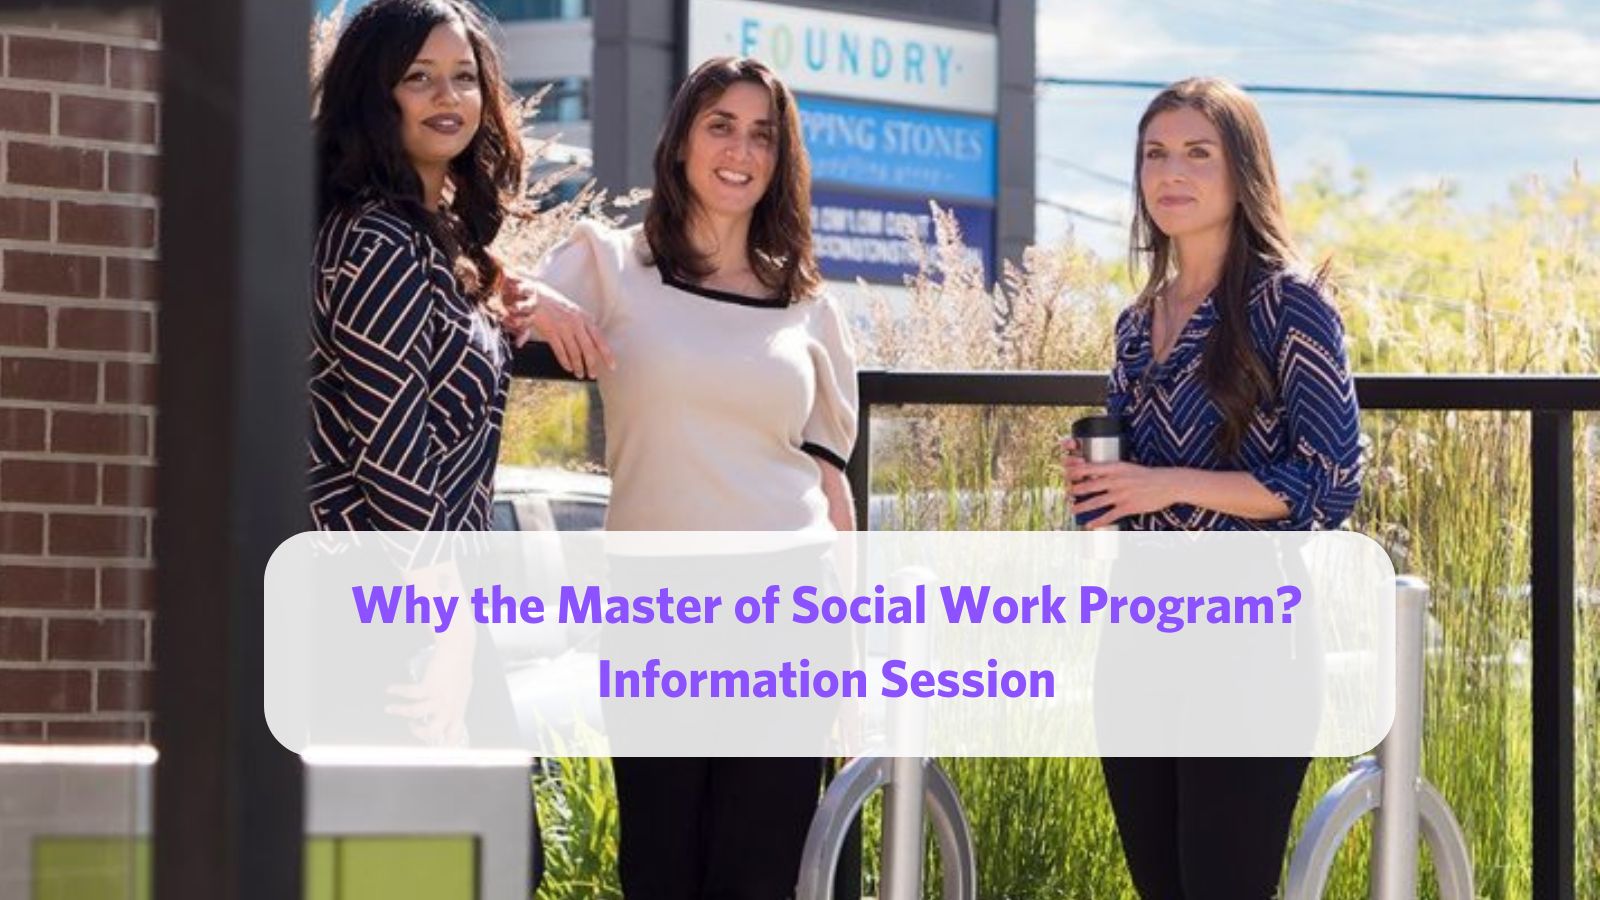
(1303,445)
(408,382)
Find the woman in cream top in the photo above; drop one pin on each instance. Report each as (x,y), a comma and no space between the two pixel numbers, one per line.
(730,406)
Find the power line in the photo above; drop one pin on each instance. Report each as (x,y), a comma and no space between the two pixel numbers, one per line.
(1365,93)
(1082,169)
(1079,213)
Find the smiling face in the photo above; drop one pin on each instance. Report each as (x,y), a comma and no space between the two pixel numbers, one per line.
(440,98)
(1184,174)
(731,151)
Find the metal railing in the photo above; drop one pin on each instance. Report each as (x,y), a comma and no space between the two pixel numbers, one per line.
(1550,400)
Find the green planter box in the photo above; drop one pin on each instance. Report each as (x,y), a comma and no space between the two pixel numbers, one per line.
(336,868)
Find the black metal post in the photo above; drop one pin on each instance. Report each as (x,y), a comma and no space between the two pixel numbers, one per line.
(1552,598)
(859,469)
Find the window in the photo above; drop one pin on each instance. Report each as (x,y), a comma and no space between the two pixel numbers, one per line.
(523,10)
(567,100)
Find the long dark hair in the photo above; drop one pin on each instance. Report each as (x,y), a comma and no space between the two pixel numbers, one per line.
(780,228)
(1259,245)
(360,156)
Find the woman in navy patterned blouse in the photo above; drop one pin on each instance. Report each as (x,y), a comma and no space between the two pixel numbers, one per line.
(1232,382)
(419,156)
(409,361)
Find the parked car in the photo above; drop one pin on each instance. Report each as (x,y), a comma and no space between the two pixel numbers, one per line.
(549,499)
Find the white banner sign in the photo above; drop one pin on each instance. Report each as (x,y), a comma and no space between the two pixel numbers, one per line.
(852,56)
(791,644)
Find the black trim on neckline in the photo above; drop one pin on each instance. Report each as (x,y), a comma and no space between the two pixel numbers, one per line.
(723,296)
(824,454)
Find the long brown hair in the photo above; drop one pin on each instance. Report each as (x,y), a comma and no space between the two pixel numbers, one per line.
(360,156)
(780,251)
(1258,246)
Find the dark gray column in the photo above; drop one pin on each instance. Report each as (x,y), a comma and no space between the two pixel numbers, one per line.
(1014,217)
(636,62)
(236,195)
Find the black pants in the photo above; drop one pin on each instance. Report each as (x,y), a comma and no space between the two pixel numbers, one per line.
(717,829)
(1204,829)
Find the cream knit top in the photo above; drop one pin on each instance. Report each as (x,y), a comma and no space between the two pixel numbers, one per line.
(720,404)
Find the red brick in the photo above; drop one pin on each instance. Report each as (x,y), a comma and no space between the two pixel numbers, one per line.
(71,168)
(23,326)
(97,731)
(21,429)
(129,382)
(43,691)
(92,534)
(21,639)
(56,274)
(122,690)
(45,481)
(132,279)
(119,330)
(135,69)
(24,220)
(127,485)
(90,640)
(106,225)
(130,121)
(21,730)
(28,378)
(127,588)
(46,587)
(45,59)
(132,173)
(21,532)
(25,112)
(108,434)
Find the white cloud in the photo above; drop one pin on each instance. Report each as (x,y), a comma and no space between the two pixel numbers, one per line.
(1100,38)
(1547,10)
(1552,58)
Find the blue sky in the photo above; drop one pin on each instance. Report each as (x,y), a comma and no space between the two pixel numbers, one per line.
(1488,46)
(1529,46)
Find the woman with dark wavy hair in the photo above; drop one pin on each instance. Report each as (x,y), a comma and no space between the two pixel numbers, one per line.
(418,157)
(730,407)
(1234,389)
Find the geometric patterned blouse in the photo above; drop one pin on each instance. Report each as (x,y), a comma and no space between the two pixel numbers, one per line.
(1303,445)
(408,382)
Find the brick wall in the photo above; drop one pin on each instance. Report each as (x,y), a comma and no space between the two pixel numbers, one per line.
(79,121)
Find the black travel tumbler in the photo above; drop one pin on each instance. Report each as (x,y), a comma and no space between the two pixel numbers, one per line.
(1099,439)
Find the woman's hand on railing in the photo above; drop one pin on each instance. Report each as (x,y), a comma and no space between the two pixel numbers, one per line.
(534,310)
